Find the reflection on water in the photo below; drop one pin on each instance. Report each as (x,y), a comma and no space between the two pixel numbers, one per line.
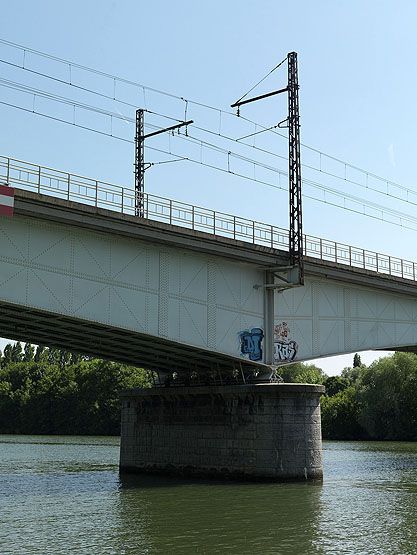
(63,495)
(370,498)
(186,517)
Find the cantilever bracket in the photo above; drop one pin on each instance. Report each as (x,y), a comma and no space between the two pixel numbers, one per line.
(140,165)
(280,268)
(287,275)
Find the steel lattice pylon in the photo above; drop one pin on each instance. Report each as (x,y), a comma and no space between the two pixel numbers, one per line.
(139,163)
(295,270)
(296,226)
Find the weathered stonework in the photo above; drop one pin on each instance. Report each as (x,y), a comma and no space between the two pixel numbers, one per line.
(255,432)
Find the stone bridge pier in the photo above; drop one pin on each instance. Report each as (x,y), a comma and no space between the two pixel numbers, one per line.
(250,432)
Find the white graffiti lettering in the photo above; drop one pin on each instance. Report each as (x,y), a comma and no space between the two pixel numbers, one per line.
(285,351)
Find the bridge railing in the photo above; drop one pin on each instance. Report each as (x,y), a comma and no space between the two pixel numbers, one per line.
(73,187)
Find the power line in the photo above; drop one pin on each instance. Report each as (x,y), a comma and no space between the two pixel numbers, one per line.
(84,89)
(263,78)
(208,145)
(121,117)
(54,118)
(357,200)
(258,133)
(57,98)
(190,138)
(115,79)
(113,115)
(368,174)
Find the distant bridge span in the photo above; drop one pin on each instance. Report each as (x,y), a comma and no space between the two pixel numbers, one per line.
(173,296)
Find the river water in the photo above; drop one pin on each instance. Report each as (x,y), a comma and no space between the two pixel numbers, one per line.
(61,495)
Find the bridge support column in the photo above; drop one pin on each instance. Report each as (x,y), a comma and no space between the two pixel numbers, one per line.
(250,432)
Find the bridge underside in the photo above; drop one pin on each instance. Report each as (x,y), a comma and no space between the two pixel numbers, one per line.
(98,340)
(94,339)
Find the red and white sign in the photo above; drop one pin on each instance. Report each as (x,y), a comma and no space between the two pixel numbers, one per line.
(6,200)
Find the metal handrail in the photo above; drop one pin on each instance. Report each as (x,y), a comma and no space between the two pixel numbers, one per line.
(86,190)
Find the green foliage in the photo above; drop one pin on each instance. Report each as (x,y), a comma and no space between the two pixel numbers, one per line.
(17,352)
(302,373)
(340,415)
(336,384)
(12,353)
(353,374)
(387,392)
(51,391)
(375,402)
(28,352)
(41,354)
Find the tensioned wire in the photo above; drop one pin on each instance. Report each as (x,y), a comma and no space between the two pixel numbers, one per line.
(113,115)
(403,218)
(116,78)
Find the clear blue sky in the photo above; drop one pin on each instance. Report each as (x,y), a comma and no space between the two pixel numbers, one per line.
(357,62)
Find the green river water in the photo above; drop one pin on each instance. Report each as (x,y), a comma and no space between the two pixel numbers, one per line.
(61,495)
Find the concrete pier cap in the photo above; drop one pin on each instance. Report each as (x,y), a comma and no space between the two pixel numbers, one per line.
(266,432)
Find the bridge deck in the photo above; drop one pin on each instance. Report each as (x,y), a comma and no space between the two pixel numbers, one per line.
(102,195)
(47,199)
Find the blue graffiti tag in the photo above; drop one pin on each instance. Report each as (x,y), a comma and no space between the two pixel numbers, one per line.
(251,343)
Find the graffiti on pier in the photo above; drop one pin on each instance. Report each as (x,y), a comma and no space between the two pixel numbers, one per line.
(285,349)
(251,343)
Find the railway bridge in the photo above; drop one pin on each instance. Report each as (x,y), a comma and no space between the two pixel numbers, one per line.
(201,297)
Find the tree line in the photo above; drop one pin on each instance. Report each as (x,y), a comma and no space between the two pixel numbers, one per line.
(375,402)
(53,391)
